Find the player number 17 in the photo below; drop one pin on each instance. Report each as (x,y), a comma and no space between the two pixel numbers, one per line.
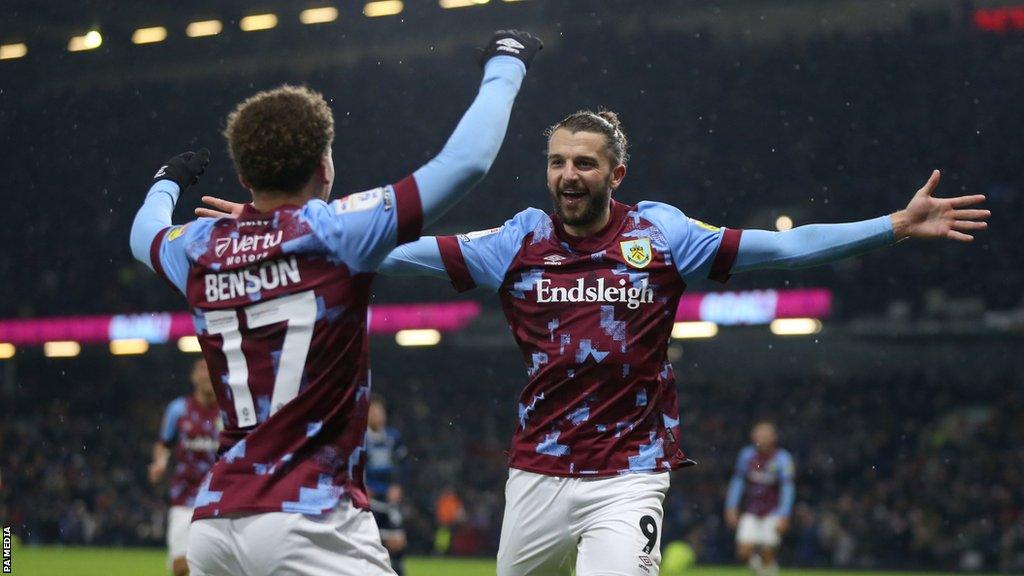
(299,312)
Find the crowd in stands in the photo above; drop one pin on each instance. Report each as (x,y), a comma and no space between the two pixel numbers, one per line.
(904,468)
(827,128)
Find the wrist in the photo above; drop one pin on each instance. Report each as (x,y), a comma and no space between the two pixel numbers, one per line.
(167,186)
(900,225)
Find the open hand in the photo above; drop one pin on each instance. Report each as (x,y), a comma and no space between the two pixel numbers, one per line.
(930,218)
(221,208)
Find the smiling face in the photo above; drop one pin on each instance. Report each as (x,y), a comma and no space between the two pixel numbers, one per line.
(581,179)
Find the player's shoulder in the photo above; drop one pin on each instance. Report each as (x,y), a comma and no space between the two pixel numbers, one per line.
(177,406)
(530,220)
(784,455)
(747,452)
(190,231)
(669,217)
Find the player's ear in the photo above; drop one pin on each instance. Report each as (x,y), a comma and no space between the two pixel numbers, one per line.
(244,184)
(325,170)
(618,173)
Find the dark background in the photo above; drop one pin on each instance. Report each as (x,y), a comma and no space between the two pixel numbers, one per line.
(905,415)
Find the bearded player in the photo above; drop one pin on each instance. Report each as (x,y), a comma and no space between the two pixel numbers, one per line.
(279,297)
(188,431)
(590,292)
(760,499)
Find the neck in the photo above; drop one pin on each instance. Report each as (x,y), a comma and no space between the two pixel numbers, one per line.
(591,228)
(205,399)
(270,201)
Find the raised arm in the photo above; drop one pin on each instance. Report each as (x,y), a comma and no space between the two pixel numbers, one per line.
(177,174)
(473,146)
(925,217)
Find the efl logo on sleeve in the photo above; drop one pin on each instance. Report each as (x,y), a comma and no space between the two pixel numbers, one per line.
(705,225)
(176,232)
(359,201)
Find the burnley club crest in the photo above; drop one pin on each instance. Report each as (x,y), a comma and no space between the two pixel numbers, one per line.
(637,252)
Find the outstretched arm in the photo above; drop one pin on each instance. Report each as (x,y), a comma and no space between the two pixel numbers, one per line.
(473,146)
(419,258)
(925,217)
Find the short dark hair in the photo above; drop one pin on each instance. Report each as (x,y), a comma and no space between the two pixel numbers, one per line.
(604,122)
(277,137)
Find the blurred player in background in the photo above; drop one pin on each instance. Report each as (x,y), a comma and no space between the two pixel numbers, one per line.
(760,499)
(189,431)
(590,292)
(280,296)
(385,468)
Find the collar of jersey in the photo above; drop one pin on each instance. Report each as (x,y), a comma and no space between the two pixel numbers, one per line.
(250,213)
(597,241)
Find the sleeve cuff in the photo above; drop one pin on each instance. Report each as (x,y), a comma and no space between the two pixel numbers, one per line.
(721,268)
(455,263)
(409,210)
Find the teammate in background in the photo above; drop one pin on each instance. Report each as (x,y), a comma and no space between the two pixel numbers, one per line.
(385,464)
(189,431)
(760,512)
(590,292)
(279,297)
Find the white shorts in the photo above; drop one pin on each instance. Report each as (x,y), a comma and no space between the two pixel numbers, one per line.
(758,530)
(344,542)
(178,519)
(600,526)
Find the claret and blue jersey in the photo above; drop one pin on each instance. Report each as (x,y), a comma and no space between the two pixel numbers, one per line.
(190,431)
(279,301)
(762,483)
(592,317)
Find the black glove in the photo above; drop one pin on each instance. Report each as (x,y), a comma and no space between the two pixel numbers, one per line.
(515,43)
(184,169)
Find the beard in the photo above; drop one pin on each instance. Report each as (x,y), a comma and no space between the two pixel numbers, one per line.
(585,209)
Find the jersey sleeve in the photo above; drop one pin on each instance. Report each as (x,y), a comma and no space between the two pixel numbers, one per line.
(360,229)
(481,258)
(787,477)
(169,424)
(170,249)
(698,250)
(732,499)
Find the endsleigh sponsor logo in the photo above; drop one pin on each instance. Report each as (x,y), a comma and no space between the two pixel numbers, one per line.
(632,296)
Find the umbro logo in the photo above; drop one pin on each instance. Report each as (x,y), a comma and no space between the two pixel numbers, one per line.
(554,259)
(509,45)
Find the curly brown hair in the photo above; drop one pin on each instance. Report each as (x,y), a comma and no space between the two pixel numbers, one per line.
(604,122)
(277,137)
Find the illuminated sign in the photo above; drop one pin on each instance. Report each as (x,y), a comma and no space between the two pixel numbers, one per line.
(754,307)
(999,20)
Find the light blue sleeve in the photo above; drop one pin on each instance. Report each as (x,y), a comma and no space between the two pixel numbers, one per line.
(787,492)
(732,499)
(692,245)
(419,258)
(811,245)
(154,219)
(473,146)
(168,427)
(482,258)
(361,229)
